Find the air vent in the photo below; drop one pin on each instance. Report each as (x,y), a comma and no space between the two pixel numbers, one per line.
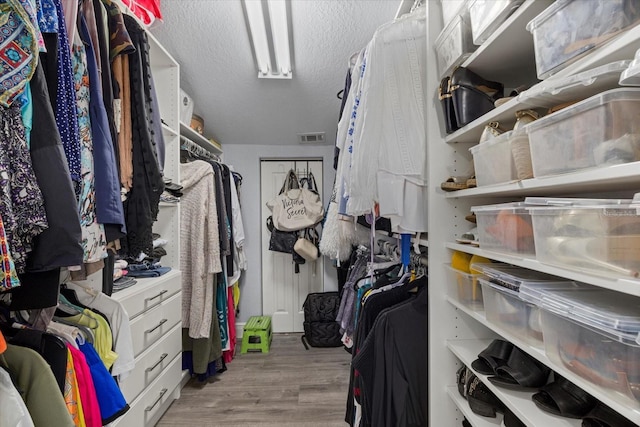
(311,138)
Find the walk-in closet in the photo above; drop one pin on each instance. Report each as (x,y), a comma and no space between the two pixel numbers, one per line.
(365,213)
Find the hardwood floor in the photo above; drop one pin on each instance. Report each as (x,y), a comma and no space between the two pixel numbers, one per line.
(289,386)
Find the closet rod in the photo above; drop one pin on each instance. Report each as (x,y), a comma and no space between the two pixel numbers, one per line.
(198,150)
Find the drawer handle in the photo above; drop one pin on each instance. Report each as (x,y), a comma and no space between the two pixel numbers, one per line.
(155,365)
(148,408)
(162,322)
(159,294)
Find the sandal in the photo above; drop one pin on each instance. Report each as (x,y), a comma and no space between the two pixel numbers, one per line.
(472,182)
(454,183)
(481,400)
(581,358)
(565,399)
(603,416)
(461,377)
(521,372)
(510,420)
(495,355)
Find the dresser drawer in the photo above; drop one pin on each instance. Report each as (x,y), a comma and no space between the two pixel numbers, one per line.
(151,363)
(147,409)
(149,293)
(148,329)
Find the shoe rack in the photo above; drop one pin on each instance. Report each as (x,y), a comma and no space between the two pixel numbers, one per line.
(458,333)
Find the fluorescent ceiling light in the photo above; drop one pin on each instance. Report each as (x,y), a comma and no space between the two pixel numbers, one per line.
(268,28)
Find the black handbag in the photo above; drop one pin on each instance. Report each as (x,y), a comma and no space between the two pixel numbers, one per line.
(320,326)
(281,241)
(472,95)
(449,113)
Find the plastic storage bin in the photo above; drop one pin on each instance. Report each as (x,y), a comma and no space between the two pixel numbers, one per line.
(631,75)
(568,29)
(503,159)
(575,87)
(597,235)
(505,309)
(464,287)
(454,44)
(505,228)
(488,15)
(516,296)
(596,335)
(600,131)
(451,8)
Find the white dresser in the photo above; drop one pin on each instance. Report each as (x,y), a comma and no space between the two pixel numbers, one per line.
(154,307)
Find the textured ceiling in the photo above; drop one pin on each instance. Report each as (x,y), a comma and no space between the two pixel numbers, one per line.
(210,41)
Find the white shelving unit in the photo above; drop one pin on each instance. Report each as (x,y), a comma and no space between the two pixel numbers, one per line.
(621,177)
(467,351)
(519,402)
(458,333)
(463,406)
(627,286)
(195,137)
(154,304)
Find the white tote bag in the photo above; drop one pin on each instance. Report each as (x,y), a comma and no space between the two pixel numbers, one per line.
(296,209)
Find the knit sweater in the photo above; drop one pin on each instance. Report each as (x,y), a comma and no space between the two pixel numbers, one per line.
(200,257)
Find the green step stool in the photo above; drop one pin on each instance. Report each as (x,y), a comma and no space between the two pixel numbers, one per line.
(257,334)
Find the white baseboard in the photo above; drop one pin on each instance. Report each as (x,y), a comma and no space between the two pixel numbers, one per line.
(239,329)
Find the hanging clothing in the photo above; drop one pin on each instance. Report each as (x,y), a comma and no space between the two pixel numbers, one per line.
(103,342)
(222,312)
(239,261)
(13,411)
(231,313)
(47,16)
(72,394)
(389,150)
(39,389)
(65,99)
(108,206)
(118,324)
(199,355)
(18,48)
(58,245)
(141,207)
(9,274)
(117,87)
(221,209)
(200,258)
(94,242)
(26,111)
(226,184)
(392,367)
(50,347)
(22,206)
(110,399)
(86,389)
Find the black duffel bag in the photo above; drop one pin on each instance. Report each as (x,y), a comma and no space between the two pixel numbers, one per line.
(320,326)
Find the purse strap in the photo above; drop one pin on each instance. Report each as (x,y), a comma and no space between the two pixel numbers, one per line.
(290,182)
(310,180)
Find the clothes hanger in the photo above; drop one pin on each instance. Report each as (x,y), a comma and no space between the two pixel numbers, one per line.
(84,330)
(65,306)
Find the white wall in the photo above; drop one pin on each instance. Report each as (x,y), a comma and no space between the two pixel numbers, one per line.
(245,160)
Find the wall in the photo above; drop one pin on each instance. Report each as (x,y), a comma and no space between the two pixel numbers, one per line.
(245,160)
